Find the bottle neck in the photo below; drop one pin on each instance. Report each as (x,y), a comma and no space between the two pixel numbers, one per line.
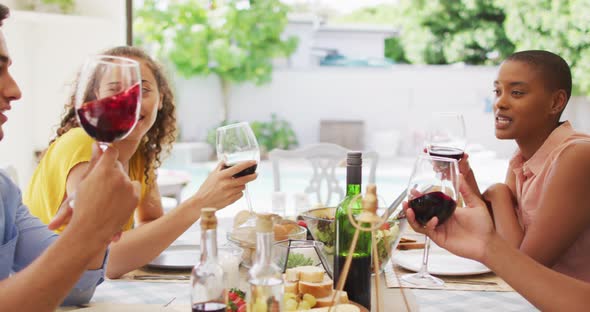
(353,180)
(208,245)
(264,247)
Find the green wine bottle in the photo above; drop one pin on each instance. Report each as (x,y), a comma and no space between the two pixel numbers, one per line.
(358,281)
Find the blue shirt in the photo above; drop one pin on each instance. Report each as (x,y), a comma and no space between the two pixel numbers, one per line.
(23,238)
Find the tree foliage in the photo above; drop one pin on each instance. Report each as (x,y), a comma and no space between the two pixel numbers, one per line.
(561,27)
(442,32)
(383,14)
(236,40)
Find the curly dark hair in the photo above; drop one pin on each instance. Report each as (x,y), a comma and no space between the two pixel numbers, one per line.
(160,136)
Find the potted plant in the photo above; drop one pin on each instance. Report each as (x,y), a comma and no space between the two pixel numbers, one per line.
(276,133)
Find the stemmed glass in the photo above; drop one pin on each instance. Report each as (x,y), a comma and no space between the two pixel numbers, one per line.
(108,98)
(446,135)
(432,192)
(237,143)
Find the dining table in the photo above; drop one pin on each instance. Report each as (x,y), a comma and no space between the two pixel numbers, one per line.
(174,295)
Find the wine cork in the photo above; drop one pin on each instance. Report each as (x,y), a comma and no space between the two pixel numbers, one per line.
(369,213)
(370,200)
(264,222)
(208,219)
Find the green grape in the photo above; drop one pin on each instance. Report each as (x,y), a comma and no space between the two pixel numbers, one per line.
(260,306)
(288,296)
(304,305)
(291,305)
(309,299)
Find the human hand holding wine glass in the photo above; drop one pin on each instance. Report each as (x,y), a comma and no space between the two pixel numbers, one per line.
(466,233)
(432,192)
(446,135)
(237,143)
(107,99)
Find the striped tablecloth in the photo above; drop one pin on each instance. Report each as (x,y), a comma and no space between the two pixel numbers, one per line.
(135,292)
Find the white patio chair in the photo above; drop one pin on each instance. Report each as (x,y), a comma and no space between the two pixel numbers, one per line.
(323,158)
(171,183)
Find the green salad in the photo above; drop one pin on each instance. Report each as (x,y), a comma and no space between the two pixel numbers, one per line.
(385,237)
(326,233)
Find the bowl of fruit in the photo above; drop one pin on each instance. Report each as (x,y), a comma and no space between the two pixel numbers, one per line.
(321,225)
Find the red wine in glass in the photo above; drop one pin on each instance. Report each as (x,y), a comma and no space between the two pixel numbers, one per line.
(435,204)
(111,118)
(245,172)
(447,152)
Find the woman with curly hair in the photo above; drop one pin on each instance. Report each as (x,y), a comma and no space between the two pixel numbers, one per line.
(149,232)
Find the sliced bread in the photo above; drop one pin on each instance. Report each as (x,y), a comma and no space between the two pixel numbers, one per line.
(292,287)
(292,275)
(311,274)
(326,301)
(317,290)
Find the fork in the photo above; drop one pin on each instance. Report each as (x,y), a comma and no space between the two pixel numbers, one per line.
(471,282)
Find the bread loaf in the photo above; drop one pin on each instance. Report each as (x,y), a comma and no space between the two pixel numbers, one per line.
(292,275)
(292,287)
(317,290)
(326,301)
(310,274)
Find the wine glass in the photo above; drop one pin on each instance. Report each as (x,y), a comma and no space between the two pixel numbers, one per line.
(446,136)
(237,143)
(432,192)
(108,98)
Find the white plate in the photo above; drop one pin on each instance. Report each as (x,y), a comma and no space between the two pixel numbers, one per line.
(177,257)
(440,262)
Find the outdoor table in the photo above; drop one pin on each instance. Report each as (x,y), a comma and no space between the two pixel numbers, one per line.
(132,295)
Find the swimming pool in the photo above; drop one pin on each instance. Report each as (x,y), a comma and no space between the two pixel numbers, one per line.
(391,178)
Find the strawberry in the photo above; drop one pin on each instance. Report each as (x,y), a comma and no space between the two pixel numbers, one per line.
(232,296)
(242,308)
(240,293)
(239,301)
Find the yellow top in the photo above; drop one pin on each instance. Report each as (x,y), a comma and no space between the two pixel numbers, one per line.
(47,188)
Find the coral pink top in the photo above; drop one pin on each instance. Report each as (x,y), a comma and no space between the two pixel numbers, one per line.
(530,180)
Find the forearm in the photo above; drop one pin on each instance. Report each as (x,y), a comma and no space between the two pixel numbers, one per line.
(508,228)
(548,290)
(506,223)
(51,276)
(139,246)
(503,209)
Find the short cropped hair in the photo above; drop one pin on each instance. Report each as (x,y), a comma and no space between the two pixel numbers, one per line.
(4,13)
(554,69)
